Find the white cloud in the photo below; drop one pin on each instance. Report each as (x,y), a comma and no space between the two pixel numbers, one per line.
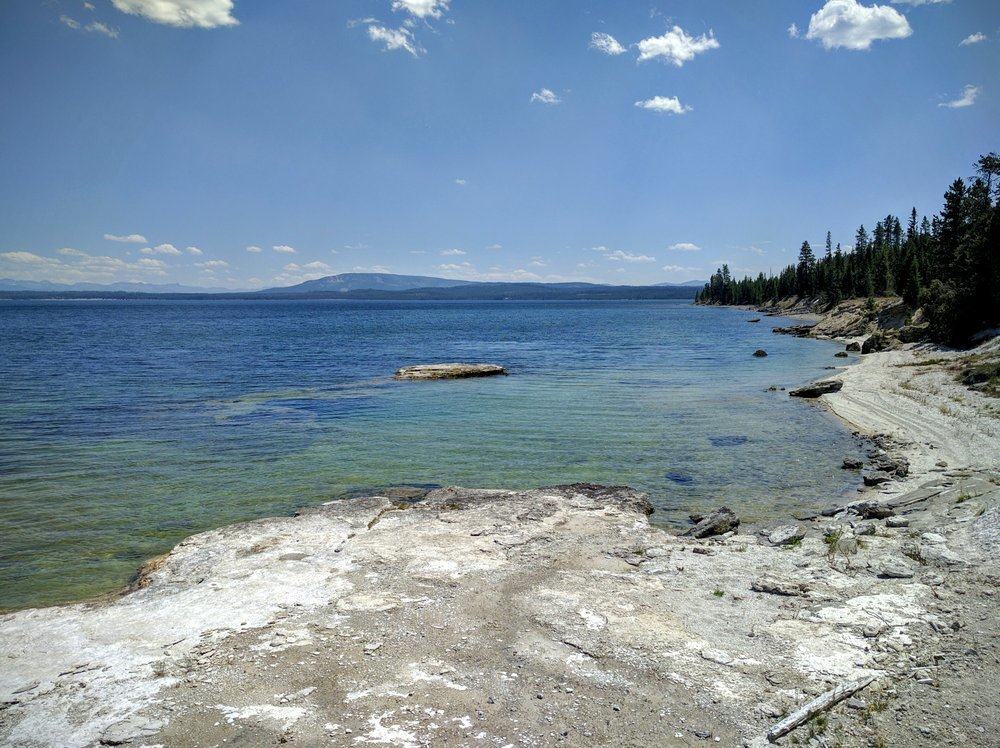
(968,98)
(467,271)
(204,14)
(128,238)
(495,246)
(537,262)
(676,46)
(194,251)
(972,39)
(851,25)
(665,104)
(253,249)
(78,267)
(101,28)
(685,247)
(212,264)
(295,273)
(461,182)
(359,245)
(919,2)
(617,255)
(67,21)
(422,8)
(88,6)
(283,249)
(606,43)
(160,249)
(394,39)
(451,252)
(793,31)
(371,269)
(545,96)
(677,269)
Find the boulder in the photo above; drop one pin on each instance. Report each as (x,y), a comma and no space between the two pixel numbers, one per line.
(449,371)
(875,477)
(786,535)
(851,463)
(840,354)
(891,567)
(760,353)
(815,389)
(872,509)
(720,521)
(913,333)
(854,347)
(877,341)
(776,586)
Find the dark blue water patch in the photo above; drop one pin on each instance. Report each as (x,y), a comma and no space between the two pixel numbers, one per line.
(728,441)
(680,479)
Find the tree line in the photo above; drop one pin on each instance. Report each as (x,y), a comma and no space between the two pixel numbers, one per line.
(949,264)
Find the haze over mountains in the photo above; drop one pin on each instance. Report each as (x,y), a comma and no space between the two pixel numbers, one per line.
(360,286)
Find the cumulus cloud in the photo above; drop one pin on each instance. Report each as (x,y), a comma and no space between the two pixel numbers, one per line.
(296,273)
(677,269)
(537,262)
(422,8)
(919,2)
(127,238)
(606,43)
(460,182)
(676,46)
(617,255)
(160,249)
(78,266)
(545,96)
(212,264)
(452,252)
(194,251)
(393,39)
(972,39)
(253,249)
(94,26)
(204,14)
(685,247)
(968,98)
(664,104)
(283,249)
(468,271)
(793,31)
(851,25)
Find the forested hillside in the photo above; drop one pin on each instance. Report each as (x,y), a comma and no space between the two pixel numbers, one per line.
(949,264)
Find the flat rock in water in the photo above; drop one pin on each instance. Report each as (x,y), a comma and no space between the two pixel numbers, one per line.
(823,387)
(449,371)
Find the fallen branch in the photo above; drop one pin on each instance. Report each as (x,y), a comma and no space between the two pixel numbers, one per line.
(817,706)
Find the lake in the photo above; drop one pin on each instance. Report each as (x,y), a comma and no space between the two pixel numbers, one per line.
(126,426)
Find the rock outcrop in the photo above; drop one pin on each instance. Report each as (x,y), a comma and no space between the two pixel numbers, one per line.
(815,389)
(449,371)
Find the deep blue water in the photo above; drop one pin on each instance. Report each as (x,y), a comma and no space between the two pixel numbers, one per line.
(125,426)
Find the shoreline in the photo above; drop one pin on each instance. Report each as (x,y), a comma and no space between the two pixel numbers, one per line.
(573,568)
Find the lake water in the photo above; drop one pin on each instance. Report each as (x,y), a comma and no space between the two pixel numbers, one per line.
(126,426)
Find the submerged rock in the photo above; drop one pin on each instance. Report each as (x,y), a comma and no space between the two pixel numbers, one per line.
(722,520)
(449,371)
(815,389)
(760,353)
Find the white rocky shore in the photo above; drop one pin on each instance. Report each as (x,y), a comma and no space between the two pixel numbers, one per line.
(556,616)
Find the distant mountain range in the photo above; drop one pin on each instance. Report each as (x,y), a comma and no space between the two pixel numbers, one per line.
(386,286)
(9,284)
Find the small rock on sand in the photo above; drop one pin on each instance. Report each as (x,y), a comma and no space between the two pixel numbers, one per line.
(786,534)
(720,521)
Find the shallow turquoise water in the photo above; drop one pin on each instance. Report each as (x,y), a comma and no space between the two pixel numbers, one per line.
(126,426)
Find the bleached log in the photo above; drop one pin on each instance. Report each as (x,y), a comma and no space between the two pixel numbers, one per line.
(817,706)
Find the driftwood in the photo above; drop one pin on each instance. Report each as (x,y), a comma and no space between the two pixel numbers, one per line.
(817,706)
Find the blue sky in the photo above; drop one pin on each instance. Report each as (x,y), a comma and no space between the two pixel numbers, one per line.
(480,140)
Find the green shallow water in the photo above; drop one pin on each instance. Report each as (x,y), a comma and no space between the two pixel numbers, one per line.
(126,426)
